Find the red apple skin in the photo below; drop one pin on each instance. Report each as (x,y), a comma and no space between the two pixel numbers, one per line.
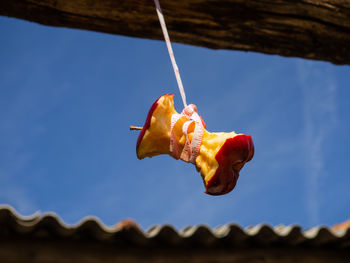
(231,158)
(148,121)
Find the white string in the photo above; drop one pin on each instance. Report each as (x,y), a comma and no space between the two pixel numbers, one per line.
(170,50)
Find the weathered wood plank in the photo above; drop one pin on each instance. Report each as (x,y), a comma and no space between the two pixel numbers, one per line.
(312,29)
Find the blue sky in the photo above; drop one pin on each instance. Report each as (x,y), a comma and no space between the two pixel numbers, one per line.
(67,98)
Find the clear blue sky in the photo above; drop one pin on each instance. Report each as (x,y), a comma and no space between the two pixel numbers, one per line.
(67,98)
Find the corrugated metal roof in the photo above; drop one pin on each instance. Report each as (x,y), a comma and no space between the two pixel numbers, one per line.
(232,235)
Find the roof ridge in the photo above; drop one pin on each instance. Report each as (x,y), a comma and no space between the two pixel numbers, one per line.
(49,224)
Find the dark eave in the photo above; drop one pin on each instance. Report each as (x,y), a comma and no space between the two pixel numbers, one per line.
(45,238)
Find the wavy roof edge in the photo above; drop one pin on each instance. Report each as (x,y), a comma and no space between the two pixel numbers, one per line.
(262,234)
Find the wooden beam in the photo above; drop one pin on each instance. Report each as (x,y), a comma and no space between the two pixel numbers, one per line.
(312,29)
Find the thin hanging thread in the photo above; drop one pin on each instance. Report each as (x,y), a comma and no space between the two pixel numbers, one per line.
(171,53)
(191,149)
